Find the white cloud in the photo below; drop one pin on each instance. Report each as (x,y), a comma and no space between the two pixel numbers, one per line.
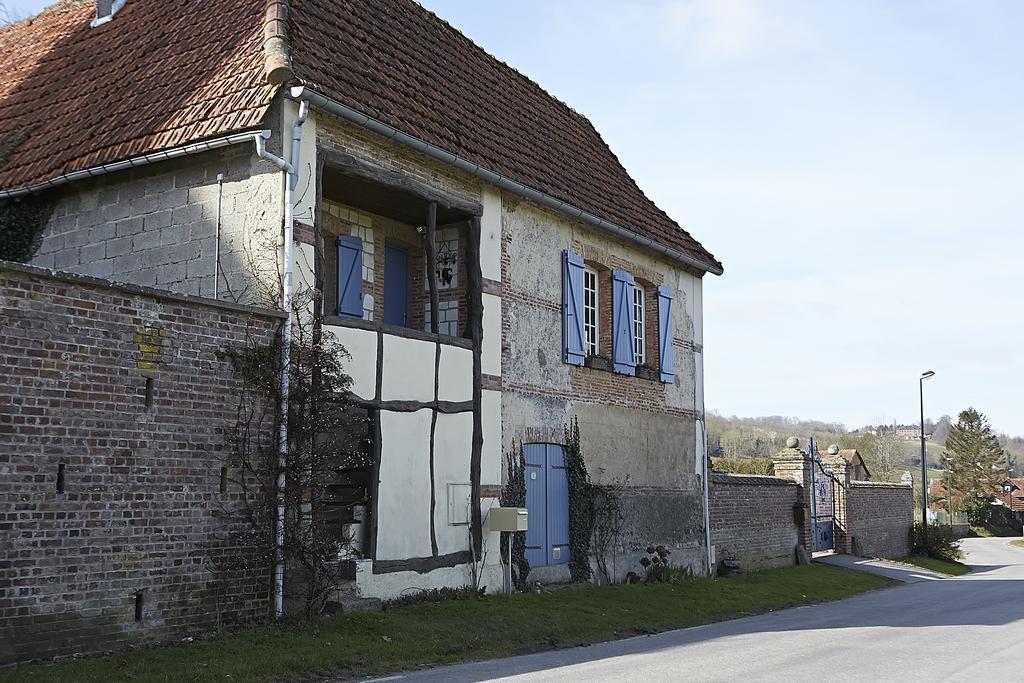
(721,30)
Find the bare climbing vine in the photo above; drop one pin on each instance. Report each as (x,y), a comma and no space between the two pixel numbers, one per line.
(327,438)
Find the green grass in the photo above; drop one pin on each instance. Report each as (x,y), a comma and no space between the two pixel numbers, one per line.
(952,568)
(994,531)
(1019,543)
(421,635)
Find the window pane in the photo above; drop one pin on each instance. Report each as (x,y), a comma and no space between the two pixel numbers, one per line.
(638,325)
(590,328)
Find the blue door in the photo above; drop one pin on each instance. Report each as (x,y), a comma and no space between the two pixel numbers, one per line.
(547,499)
(396,286)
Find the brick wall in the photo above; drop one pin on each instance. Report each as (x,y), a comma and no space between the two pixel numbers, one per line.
(752,519)
(104,498)
(157,226)
(879,518)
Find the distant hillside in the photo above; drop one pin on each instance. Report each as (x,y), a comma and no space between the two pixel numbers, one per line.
(886,456)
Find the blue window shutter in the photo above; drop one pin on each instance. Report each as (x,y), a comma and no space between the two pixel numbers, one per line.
(665,334)
(623,347)
(350,276)
(572,308)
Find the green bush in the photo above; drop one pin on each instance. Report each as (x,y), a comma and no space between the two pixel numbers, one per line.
(657,568)
(941,543)
(22,221)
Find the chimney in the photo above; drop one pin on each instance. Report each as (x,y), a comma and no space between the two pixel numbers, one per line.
(105,11)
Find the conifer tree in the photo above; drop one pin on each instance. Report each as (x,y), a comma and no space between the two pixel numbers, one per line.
(977,463)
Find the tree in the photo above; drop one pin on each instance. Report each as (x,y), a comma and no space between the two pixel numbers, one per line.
(942,428)
(888,451)
(977,464)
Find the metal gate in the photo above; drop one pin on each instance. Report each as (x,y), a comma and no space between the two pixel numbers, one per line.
(824,493)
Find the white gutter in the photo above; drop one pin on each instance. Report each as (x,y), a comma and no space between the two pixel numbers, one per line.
(338,109)
(134,162)
(291,169)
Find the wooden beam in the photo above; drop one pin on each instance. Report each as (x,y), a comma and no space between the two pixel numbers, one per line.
(431,251)
(350,165)
(475,328)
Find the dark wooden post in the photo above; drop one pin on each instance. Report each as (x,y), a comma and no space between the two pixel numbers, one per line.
(475,328)
(431,251)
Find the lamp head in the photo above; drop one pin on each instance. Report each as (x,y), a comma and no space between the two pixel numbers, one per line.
(927,373)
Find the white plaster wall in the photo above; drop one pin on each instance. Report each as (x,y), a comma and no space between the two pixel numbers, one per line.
(455,376)
(408,369)
(304,279)
(490,454)
(305,192)
(490,351)
(684,392)
(490,235)
(362,366)
(398,584)
(403,498)
(453,446)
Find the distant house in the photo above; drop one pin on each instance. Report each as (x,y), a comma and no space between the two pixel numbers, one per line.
(1011,496)
(857,467)
(910,432)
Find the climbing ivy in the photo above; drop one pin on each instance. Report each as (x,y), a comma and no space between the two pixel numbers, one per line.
(22,221)
(581,508)
(513,494)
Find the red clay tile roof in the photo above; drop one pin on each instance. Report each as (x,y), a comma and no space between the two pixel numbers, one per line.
(400,64)
(160,75)
(168,72)
(1014,500)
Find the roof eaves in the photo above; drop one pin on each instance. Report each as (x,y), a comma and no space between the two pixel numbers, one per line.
(332,106)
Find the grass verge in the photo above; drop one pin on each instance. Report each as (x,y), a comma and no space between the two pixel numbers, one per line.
(952,568)
(414,636)
(992,531)
(1019,543)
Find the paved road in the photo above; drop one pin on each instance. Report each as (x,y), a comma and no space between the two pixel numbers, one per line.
(965,629)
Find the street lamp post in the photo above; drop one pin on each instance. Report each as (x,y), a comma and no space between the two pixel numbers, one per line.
(924,467)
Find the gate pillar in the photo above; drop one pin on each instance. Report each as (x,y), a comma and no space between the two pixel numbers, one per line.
(837,466)
(792,463)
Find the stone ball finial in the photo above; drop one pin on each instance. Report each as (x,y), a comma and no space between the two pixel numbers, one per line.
(833,450)
(792,442)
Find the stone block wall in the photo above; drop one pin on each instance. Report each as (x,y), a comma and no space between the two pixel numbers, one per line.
(157,226)
(114,404)
(752,519)
(879,518)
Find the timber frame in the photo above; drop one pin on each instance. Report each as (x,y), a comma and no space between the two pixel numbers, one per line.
(335,162)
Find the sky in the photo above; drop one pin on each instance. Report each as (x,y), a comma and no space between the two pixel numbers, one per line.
(857,167)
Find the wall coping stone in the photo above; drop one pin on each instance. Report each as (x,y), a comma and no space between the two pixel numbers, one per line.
(880,485)
(128,288)
(761,479)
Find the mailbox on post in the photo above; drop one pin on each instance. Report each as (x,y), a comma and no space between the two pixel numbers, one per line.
(508,520)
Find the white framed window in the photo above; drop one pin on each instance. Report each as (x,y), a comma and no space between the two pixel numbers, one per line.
(639,325)
(590,311)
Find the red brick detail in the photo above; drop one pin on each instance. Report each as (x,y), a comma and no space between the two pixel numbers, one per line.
(304,233)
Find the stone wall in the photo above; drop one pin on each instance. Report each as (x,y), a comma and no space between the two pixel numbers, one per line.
(752,520)
(113,410)
(879,518)
(157,226)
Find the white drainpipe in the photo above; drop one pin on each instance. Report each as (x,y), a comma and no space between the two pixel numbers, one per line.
(291,169)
